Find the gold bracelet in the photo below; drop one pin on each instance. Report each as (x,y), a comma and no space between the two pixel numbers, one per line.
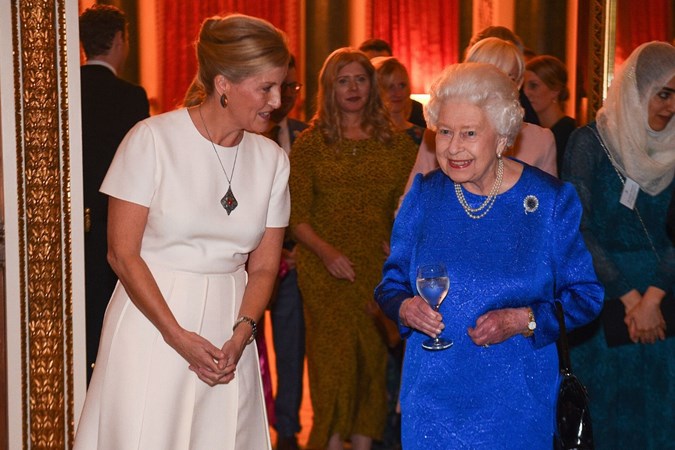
(251,322)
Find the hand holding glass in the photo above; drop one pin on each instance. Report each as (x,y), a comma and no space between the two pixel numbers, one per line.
(433,285)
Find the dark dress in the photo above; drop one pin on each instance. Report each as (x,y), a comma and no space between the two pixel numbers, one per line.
(503,396)
(110,107)
(417,114)
(631,387)
(562,130)
(288,334)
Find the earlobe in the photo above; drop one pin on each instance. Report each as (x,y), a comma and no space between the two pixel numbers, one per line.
(118,39)
(221,84)
(501,146)
(556,96)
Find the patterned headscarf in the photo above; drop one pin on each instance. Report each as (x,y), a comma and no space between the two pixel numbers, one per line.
(640,153)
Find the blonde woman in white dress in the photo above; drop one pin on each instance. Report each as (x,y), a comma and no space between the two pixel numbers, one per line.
(198,203)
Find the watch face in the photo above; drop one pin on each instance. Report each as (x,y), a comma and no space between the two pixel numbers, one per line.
(532,325)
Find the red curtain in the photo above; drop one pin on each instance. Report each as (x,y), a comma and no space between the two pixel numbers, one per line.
(640,22)
(180,21)
(424,36)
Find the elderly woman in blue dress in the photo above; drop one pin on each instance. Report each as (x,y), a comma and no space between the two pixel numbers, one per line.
(509,237)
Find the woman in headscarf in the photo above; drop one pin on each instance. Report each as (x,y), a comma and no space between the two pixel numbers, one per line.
(631,148)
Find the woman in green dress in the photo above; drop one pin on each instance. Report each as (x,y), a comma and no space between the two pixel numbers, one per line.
(631,387)
(347,173)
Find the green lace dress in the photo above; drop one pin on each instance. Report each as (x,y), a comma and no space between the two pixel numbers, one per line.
(631,387)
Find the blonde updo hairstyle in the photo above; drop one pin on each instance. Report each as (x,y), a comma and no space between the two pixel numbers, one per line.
(482,85)
(500,53)
(552,72)
(328,117)
(237,47)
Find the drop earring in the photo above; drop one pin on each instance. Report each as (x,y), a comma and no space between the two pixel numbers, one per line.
(223,100)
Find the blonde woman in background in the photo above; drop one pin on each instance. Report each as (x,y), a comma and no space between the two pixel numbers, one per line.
(348,171)
(534,145)
(394,83)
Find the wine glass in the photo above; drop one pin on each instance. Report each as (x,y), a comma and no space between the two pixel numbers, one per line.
(433,285)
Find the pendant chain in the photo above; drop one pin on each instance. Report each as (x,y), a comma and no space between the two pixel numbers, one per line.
(229,179)
(229,201)
(486,206)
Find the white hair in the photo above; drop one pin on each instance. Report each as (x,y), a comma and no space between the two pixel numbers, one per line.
(484,86)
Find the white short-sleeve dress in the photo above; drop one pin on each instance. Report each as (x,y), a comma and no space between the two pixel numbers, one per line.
(142,394)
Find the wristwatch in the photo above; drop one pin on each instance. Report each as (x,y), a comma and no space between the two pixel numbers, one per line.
(531,324)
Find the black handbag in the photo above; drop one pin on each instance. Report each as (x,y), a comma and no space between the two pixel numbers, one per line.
(573,417)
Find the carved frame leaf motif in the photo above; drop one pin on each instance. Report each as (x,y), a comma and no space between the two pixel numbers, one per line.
(45,252)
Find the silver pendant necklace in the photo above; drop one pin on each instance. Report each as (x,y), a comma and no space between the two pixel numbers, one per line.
(229,201)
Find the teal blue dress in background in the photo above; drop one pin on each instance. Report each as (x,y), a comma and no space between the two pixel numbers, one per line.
(632,387)
(503,396)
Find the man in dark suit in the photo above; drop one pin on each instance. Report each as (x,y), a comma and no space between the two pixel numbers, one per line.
(288,325)
(110,107)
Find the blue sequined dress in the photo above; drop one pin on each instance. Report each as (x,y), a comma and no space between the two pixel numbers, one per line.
(470,397)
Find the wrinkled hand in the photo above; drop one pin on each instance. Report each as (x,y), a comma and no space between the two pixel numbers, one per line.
(416,313)
(202,356)
(337,264)
(289,257)
(498,325)
(645,322)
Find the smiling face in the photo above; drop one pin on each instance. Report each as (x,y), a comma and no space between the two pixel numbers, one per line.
(662,107)
(540,96)
(252,100)
(352,88)
(396,92)
(467,146)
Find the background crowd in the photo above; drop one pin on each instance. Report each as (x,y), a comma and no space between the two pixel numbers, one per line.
(378,188)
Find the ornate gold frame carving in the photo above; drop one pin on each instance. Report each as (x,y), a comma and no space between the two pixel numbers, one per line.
(602,32)
(595,56)
(45,251)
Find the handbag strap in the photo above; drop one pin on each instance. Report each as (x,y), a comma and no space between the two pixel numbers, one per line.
(563,346)
(623,182)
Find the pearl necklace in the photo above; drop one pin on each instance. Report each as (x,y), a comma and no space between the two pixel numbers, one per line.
(489,201)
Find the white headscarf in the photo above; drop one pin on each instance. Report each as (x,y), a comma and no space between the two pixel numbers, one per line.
(639,153)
